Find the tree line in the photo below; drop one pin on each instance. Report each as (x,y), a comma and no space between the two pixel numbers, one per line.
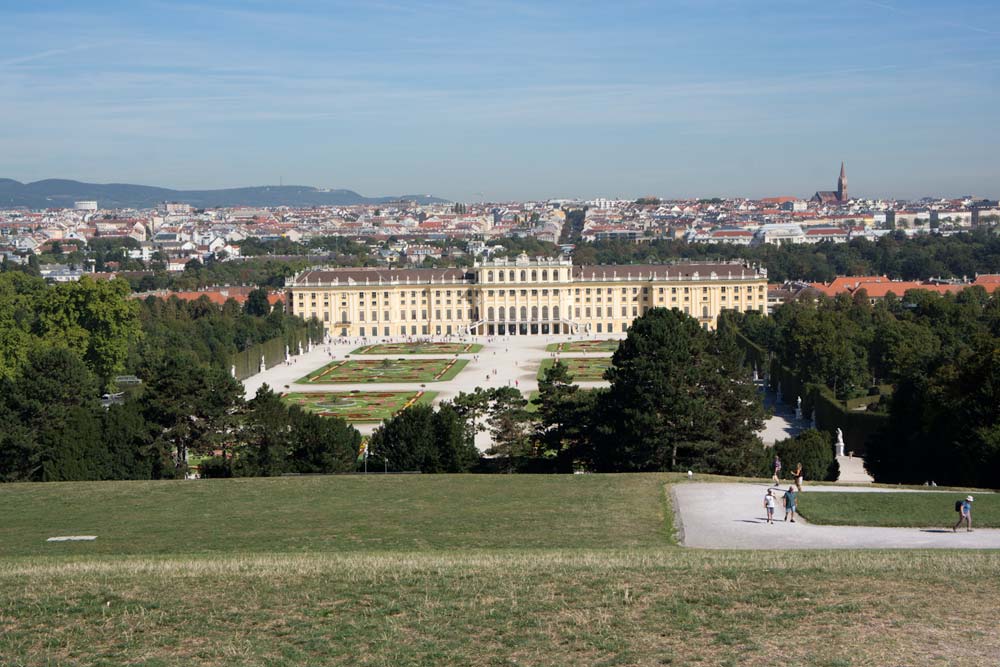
(895,255)
(63,346)
(933,359)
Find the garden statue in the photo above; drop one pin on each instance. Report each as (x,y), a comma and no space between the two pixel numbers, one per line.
(840,442)
(798,408)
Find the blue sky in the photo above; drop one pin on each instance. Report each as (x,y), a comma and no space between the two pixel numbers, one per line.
(510,98)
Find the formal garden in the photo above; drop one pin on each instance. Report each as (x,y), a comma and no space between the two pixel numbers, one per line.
(584,346)
(358,406)
(351,371)
(419,348)
(583,369)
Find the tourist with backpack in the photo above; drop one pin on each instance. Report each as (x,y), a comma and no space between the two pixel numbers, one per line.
(964,509)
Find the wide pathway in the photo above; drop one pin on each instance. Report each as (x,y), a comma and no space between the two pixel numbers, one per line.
(504,361)
(731,516)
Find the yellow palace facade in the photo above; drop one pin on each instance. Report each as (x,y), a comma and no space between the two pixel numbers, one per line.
(523,296)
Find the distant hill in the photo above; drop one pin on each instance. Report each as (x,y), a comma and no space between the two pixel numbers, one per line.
(58,193)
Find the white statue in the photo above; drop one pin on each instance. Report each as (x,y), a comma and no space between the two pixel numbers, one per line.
(287,354)
(234,370)
(798,408)
(840,442)
(263,364)
(755,375)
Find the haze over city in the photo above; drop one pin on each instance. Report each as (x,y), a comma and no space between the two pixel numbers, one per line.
(505,100)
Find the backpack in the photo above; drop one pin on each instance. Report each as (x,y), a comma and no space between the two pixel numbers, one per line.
(958,505)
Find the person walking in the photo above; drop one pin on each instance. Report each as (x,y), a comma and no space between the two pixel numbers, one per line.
(777,469)
(769,506)
(798,477)
(965,514)
(790,504)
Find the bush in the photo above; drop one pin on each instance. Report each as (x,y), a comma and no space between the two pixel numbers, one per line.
(814,450)
(215,468)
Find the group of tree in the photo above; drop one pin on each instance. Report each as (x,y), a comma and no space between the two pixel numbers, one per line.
(934,358)
(94,320)
(53,427)
(61,347)
(681,398)
(895,255)
(212,332)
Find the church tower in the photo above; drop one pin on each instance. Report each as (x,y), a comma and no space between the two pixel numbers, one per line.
(842,185)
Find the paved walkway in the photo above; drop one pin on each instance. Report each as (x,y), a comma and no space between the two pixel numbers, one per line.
(731,516)
(852,470)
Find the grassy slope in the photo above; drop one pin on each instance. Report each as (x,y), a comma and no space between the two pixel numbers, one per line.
(341,513)
(907,510)
(442,570)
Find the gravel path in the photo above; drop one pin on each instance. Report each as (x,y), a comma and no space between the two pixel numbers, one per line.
(731,516)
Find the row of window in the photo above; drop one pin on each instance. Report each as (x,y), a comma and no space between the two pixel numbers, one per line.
(512,275)
(469,293)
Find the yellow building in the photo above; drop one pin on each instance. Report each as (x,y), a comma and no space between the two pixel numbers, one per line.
(519,297)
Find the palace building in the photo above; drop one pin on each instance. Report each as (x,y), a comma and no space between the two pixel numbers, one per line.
(519,297)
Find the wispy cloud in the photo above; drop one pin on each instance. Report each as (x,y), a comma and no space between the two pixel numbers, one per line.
(43,55)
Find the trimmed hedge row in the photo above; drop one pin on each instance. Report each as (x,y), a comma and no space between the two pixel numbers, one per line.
(858,426)
(247,362)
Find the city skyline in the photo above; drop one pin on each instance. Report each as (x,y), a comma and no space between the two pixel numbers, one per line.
(512,100)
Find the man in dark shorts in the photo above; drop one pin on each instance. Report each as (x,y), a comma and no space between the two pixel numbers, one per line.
(790,503)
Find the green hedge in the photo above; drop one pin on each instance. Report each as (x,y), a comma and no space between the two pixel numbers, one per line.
(791,386)
(858,426)
(754,353)
(247,362)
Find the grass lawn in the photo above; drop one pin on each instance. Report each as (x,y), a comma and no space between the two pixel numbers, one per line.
(420,348)
(584,346)
(336,513)
(583,369)
(905,510)
(358,406)
(453,570)
(355,371)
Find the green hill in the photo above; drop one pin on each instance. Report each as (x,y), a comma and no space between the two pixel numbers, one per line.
(452,570)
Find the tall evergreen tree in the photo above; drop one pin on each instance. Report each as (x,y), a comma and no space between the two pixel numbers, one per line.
(677,401)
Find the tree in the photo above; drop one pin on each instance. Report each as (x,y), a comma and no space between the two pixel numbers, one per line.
(814,450)
(265,436)
(52,426)
(97,319)
(128,439)
(677,401)
(420,438)
(563,417)
(508,423)
(321,444)
(191,406)
(257,303)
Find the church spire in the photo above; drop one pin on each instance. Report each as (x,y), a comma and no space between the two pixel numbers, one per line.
(842,184)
